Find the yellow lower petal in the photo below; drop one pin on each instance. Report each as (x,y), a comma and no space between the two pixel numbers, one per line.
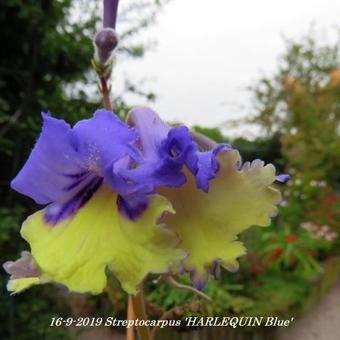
(18,285)
(208,224)
(76,251)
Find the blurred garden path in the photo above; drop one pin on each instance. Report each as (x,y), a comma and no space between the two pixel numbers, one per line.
(320,323)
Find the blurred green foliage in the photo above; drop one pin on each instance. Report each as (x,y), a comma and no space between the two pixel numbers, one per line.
(301,103)
(41,52)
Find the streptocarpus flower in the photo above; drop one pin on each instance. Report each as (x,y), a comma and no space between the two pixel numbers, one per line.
(81,232)
(234,197)
(136,200)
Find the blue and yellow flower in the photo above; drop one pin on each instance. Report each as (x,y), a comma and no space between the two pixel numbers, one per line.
(134,199)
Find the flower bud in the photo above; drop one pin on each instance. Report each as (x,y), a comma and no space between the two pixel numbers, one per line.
(105,42)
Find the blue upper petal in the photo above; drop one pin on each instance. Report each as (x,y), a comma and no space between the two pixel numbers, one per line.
(104,139)
(54,165)
(67,165)
(166,151)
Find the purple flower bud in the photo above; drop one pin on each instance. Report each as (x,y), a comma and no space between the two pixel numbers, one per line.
(105,41)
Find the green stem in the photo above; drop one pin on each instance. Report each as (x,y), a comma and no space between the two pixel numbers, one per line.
(139,310)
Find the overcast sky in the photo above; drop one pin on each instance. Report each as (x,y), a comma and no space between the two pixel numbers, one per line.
(208,52)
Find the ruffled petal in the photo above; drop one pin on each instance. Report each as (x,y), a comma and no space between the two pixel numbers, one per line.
(16,286)
(24,273)
(167,151)
(164,151)
(208,166)
(151,130)
(78,249)
(208,224)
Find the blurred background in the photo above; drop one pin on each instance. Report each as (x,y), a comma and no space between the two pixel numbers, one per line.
(260,75)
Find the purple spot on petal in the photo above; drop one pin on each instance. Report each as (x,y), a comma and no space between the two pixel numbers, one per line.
(215,269)
(132,207)
(198,282)
(56,212)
